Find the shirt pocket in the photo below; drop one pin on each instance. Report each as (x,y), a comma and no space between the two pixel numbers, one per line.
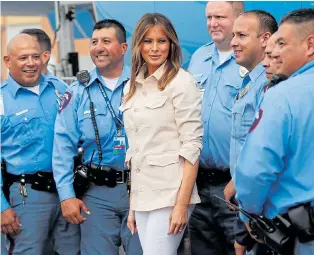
(29,126)
(200,80)
(158,112)
(103,120)
(227,93)
(200,83)
(156,102)
(243,115)
(124,108)
(164,171)
(127,105)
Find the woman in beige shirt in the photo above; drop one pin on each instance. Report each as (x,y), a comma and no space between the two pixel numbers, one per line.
(162,116)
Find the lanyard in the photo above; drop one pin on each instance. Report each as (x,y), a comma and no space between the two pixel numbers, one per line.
(117,119)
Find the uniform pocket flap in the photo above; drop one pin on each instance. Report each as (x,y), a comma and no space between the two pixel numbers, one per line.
(162,160)
(156,102)
(25,116)
(86,113)
(200,79)
(235,85)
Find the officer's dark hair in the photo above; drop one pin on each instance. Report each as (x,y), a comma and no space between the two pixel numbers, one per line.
(107,23)
(267,21)
(304,19)
(41,36)
(299,16)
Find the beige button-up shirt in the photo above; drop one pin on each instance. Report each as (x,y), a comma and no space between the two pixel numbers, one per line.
(163,129)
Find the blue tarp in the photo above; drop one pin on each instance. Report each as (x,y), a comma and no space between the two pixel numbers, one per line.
(188,18)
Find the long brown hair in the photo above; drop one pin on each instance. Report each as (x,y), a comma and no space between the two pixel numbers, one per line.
(174,59)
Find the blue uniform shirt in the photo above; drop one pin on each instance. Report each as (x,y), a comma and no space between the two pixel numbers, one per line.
(74,124)
(243,111)
(220,83)
(51,77)
(275,168)
(27,127)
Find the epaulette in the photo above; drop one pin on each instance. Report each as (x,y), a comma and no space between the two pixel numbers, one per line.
(3,84)
(207,44)
(75,83)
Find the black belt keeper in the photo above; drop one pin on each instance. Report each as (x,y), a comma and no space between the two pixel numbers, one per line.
(41,181)
(213,176)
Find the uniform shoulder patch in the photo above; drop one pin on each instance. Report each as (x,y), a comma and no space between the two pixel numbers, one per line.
(65,101)
(258,118)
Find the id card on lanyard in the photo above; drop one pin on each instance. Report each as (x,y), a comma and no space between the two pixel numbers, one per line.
(119,140)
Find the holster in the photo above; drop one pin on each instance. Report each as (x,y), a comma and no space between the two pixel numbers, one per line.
(276,234)
(81,180)
(301,218)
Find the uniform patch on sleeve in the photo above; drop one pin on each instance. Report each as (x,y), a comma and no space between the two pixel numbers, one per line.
(65,101)
(258,117)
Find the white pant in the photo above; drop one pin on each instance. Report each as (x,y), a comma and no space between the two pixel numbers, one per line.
(153,229)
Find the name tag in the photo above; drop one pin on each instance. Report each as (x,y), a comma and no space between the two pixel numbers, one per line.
(202,91)
(243,92)
(88,111)
(21,112)
(119,145)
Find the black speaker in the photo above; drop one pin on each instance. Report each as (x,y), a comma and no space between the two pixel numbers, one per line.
(73,60)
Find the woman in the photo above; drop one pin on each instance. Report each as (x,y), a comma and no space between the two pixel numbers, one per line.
(162,115)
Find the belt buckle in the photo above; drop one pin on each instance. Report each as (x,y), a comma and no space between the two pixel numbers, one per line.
(122,178)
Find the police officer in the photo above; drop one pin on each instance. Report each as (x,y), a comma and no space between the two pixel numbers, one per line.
(45,47)
(269,61)
(251,32)
(219,79)
(105,206)
(32,214)
(276,161)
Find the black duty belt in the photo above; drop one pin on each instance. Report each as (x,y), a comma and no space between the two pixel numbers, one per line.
(213,176)
(41,181)
(119,176)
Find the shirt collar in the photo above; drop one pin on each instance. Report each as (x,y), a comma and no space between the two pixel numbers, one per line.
(157,74)
(125,76)
(212,53)
(14,87)
(256,72)
(304,68)
(49,75)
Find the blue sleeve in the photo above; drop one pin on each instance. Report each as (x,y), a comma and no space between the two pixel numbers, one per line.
(4,203)
(263,153)
(66,138)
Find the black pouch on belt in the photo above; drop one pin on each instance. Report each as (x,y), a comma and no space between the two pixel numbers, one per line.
(104,177)
(43,181)
(302,222)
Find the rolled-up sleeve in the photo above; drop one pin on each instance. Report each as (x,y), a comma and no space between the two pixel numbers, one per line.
(187,106)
